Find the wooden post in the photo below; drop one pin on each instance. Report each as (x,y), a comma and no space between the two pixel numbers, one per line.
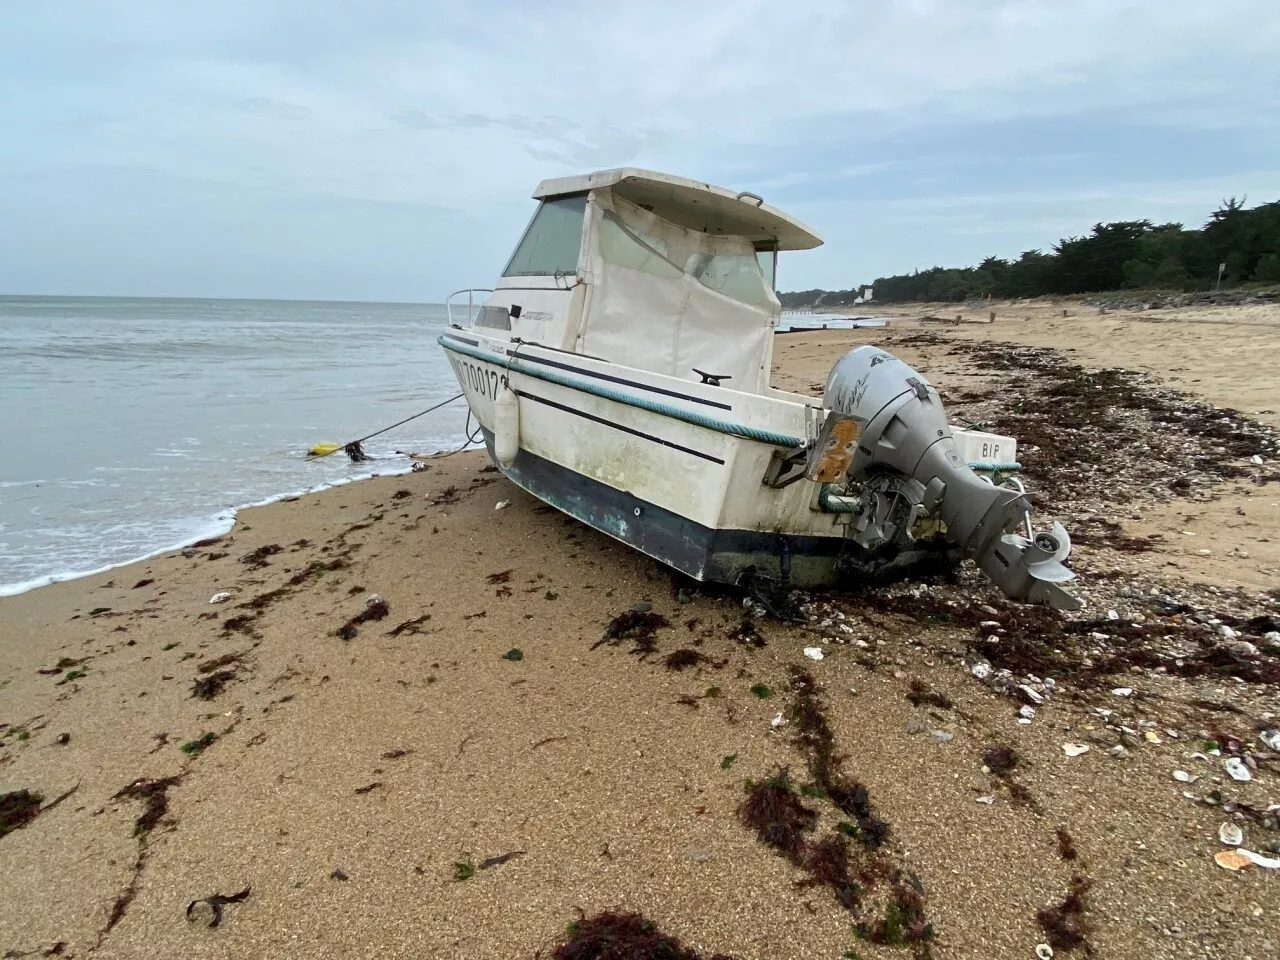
(993,316)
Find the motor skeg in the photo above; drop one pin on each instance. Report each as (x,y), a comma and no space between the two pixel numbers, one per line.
(904,431)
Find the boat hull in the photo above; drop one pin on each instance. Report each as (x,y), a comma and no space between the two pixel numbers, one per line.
(653,462)
(701,552)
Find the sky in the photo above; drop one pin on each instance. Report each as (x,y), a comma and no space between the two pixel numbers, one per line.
(317,149)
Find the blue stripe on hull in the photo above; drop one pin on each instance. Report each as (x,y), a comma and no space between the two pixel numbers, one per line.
(701,552)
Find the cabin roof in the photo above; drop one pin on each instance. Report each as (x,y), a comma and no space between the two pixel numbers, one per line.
(693,204)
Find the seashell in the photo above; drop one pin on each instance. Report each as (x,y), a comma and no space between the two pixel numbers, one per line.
(1236,768)
(1233,860)
(1074,749)
(1258,860)
(1231,834)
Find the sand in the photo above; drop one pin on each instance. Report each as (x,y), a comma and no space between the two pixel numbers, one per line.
(350,777)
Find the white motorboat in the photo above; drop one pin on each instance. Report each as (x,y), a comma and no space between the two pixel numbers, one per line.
(620,372)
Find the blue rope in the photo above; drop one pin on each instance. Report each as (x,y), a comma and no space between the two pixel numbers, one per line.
(605,393)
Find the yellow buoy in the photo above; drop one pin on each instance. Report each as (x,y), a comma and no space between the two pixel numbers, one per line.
(324,449)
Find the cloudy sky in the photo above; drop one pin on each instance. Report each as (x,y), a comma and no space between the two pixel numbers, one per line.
(386,151)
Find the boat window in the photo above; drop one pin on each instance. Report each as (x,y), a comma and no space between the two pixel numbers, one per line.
(769,266)
(736,275)
(632,248)
(550,246)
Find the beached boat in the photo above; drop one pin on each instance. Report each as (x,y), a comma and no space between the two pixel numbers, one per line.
(620,372)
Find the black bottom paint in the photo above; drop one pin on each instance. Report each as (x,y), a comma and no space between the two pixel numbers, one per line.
(701,552)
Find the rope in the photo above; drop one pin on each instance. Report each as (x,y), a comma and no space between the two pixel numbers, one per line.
(605,393)
(354,450)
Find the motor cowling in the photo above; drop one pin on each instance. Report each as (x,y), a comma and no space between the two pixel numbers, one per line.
(906,446)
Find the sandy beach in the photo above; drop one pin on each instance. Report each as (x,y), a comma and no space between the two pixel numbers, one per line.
(364,769)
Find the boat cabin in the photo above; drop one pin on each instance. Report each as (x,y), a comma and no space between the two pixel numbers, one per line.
(649,271)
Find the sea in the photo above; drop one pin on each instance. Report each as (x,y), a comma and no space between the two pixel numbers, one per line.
(129,427)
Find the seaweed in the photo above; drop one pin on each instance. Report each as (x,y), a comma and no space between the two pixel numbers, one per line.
(827,864)
(748,634)
(226,660)
(920,692)
(409,626)
(682,659)
(375,608)
(447,495)
(216,902)
(816,741)
(264,600)
(612,935)
(198,745)
(316,568)
(1000,759)
(1065,925)
(904,922)
(776,814)
(1066,844)
(257,559)
(208,687)
(17,809)
(64,663)
(637,625)
(121,906)
(155,799)
(500,859)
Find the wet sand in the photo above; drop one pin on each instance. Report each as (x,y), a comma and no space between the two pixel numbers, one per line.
(350,776)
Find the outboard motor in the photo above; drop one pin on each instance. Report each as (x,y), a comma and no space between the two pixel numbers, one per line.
(906,469)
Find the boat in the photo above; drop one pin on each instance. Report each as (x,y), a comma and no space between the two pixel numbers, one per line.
(619,370)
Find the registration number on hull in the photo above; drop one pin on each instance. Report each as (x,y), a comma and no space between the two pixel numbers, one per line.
(483,381)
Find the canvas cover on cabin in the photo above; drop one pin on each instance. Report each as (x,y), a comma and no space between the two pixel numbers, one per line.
(669,299)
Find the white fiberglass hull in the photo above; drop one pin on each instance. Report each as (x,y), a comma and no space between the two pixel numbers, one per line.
(670,467)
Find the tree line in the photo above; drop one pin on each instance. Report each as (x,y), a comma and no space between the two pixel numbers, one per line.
(1128,254)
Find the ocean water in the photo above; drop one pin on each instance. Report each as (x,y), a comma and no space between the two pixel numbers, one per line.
(130,426)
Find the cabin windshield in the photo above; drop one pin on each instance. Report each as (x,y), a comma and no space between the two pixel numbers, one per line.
(551,244)
(769,266)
